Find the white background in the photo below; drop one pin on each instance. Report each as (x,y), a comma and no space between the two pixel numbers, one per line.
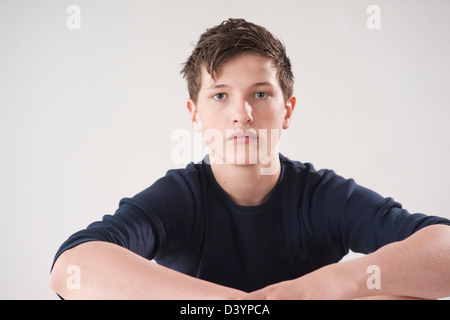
(86,115)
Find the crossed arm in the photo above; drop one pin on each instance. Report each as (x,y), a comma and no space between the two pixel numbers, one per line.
(418,266)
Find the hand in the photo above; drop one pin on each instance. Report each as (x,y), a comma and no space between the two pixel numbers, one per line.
(325,283)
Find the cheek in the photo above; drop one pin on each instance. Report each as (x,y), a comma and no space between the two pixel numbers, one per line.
(212,119)
(271,120)
(206,112)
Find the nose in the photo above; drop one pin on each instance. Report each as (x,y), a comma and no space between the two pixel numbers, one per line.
(242,113)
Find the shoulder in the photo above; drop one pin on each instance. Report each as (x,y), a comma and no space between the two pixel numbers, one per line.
(323,187)
(173,204)
(170,196)
(176,182)
(295,166)
(307,173)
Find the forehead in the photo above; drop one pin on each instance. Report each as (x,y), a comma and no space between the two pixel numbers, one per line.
(242,70)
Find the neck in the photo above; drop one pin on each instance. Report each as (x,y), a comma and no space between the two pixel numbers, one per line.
(247,185)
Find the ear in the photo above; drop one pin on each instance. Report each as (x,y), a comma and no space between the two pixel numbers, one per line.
(288,111)
(196,123)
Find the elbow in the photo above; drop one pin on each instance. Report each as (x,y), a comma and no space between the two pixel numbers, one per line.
(63,277)
(56,281)
(53,282)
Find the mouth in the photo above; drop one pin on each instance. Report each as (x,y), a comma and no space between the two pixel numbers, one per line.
(241,136)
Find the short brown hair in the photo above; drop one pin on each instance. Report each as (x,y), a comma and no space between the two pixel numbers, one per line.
(219,44)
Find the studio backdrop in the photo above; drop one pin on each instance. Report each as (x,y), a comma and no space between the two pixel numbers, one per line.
(92,101)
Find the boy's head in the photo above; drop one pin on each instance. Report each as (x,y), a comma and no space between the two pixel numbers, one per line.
(241,92)
(232,37)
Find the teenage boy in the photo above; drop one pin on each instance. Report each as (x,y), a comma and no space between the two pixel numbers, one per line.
(247,222)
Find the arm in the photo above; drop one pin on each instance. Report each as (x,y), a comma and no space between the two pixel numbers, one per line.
(418,266)
(108,271)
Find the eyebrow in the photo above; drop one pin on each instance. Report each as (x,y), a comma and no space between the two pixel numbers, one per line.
(255,85)
(262,84)
(217,86)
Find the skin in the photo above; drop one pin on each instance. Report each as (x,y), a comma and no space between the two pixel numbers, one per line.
(416,267)
(238,108)
(239,101)
(245,97)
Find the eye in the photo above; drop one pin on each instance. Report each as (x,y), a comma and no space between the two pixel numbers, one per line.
(220,96)
(261,95)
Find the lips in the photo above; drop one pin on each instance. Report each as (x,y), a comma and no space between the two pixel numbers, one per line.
(241,136)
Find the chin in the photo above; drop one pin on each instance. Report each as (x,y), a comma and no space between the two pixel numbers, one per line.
(242,154)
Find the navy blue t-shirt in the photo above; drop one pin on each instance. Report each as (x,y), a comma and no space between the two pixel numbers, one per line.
(185,221)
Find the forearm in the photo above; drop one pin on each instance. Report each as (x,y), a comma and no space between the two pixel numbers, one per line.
(418,266)
(108,271)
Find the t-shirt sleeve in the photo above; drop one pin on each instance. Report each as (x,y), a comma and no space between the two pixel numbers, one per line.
(345,215)
(144,223)
(129,227)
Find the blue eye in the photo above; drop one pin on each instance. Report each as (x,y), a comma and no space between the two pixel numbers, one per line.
(261,95)
(220,96)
